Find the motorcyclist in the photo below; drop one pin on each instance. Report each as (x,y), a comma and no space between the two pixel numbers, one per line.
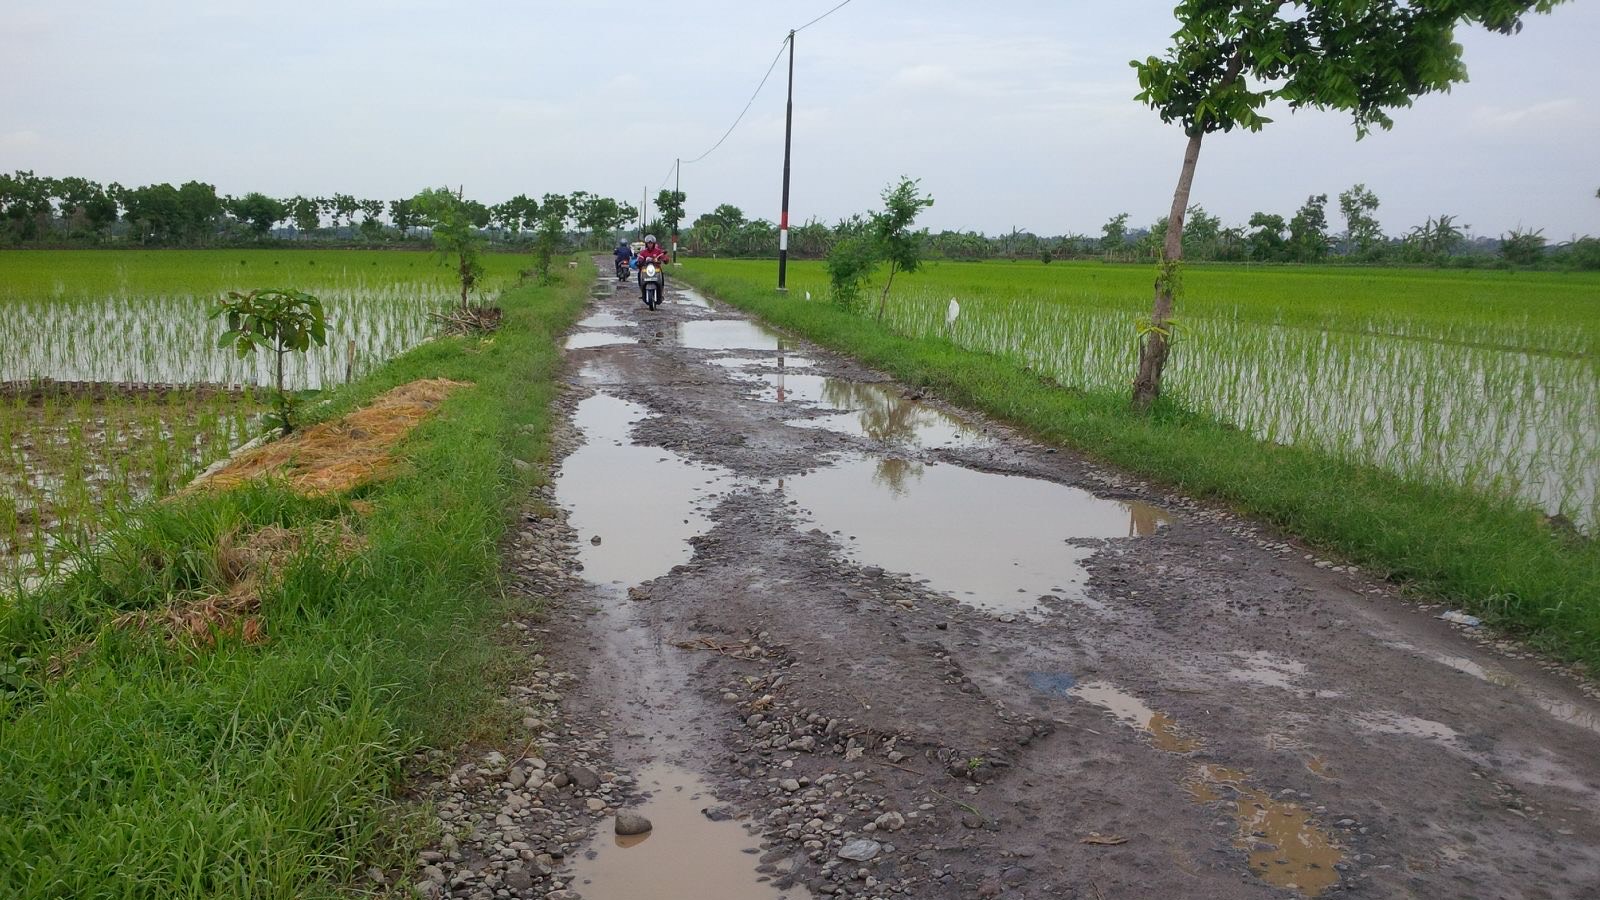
(652,253)
(622,257)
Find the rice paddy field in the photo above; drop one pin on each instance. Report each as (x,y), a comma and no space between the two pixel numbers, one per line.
(113,390)
(1484,380)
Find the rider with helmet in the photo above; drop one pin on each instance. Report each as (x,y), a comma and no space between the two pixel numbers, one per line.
(652,253)
(622,258)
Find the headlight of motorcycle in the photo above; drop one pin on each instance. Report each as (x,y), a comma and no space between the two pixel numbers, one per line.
(650,270)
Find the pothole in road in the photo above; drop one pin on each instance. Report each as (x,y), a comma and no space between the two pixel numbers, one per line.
(640,503)
(876,411)
(685,856)
(1285,849)
(725,334)
(583,340)
(1131,711)
(997,542)
(691,297)
(605,320)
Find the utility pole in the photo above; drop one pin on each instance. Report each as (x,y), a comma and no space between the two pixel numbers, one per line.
(783,220)
(644,192)
(677,174)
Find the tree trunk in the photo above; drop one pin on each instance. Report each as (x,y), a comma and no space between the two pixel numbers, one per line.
(884,297)
(1154,347)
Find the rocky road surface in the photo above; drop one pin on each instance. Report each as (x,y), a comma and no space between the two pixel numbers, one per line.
(831,638)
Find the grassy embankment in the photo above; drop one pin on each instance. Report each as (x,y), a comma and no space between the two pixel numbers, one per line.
(1496,556)
(139,766)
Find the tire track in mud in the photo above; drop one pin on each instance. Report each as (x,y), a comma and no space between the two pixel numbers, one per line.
(892,649)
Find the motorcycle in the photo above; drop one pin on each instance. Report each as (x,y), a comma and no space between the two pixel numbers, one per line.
(622,269)
(653,279)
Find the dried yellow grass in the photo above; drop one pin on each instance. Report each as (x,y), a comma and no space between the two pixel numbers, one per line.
(337,456)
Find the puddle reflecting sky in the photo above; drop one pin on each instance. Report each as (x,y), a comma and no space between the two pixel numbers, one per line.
(997,542)
(585,339)
(642,502)
(686,856)
(725,334)
(747,362)
(604,319)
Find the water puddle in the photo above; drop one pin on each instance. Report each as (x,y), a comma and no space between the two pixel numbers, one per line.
(584,340)
(997,542)
(641,503)
(1389,722)
(725,334)
(685,855)
(1285,849)
(605,320)
(691,297)
(876,411)
(601,371)
(1586,717)
(1131,711)
(1267,669)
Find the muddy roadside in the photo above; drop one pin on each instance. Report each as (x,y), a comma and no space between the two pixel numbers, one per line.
(835,639)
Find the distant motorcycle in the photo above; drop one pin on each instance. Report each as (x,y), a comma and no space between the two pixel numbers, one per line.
(622,269)
(654,282)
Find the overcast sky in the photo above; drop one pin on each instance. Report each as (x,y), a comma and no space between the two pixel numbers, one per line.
(1012,113)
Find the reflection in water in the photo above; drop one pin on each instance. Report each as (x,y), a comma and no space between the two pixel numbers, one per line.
(686,856)
(876,411)
(999,542)
(641,502)
(725,334)
(1162,728)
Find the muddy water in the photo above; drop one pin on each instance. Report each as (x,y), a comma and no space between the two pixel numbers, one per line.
(603,320)
(1285,849)
(642,503)
(780,361)
(1131,711)
(876,411)
(725,334)
(686,855)
(997,542)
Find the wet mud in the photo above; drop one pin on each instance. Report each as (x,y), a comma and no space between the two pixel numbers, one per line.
(852,642)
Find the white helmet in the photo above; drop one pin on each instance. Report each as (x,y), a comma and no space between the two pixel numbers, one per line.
(649,239)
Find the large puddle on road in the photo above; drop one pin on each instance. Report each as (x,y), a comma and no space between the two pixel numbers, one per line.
(641,503)
(685,856)
(725,334)
(780,361)
(997,542)
(584,340)
(876,411)
(691,297)
(604,319)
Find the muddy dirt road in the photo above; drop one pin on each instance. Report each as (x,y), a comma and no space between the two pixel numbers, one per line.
(849,642)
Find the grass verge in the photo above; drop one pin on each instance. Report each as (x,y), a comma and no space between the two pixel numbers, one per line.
(1499,559)
(136,765)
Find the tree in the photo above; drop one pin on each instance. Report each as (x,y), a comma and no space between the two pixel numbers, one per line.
(1229,58)
(1114,234)
(25,204)
(892,232)
(1523,248)
(553,212)
(1266,243)
(371,225)
(277,320)
(198,208)
(343,206)
(669,204)
(455,236)
(1434,239)
(307,214)
(84,204)
(1362,233)
(1201,233)
(153,212)
(259,212)
(1308,230)
(403,214)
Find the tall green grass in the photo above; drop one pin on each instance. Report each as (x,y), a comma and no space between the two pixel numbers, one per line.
(138,768)
(1495,554)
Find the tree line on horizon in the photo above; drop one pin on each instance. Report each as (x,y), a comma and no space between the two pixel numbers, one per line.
(42,211)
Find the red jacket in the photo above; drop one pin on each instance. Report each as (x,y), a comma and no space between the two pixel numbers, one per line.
(656,254)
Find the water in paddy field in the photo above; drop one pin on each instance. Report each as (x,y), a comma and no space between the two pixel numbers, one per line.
(139,338)
(1002,543)
(692,852)
(1459,405)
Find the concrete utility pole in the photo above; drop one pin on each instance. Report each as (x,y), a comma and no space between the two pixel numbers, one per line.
(783,219)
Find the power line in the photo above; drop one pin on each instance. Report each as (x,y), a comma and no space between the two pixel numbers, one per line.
(775,58)
(821,17)
(668,177)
